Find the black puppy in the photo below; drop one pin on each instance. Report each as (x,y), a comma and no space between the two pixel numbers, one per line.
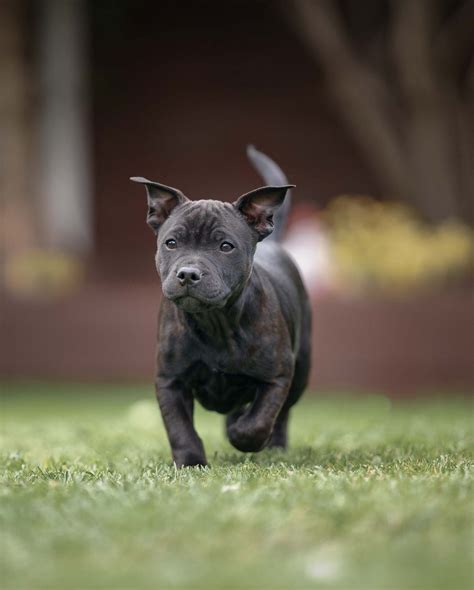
(235,321)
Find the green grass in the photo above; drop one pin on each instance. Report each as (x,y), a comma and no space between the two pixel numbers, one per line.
(371,495)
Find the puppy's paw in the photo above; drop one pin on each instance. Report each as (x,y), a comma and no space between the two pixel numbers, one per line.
(249,438)
(189,459)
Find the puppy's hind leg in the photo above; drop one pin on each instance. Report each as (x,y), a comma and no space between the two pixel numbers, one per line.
(279,438)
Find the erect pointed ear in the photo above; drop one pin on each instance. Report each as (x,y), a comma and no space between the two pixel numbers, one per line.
(162,200)
(259,206)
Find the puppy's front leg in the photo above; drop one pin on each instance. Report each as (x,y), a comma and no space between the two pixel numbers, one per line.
(177,411)
(250,430)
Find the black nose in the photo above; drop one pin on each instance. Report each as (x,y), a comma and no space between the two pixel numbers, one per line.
(188,275)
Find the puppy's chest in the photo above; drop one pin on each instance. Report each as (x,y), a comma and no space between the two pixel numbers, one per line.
(218,390)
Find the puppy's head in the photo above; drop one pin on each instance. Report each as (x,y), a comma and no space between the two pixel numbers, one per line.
(205,248)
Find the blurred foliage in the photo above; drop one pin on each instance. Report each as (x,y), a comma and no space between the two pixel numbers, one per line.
(43,273)
(386,247)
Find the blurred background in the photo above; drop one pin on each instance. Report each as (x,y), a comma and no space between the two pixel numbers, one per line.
(367,105)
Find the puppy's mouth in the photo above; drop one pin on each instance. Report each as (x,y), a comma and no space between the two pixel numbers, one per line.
(195,302)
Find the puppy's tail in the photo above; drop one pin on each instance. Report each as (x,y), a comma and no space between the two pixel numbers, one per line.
(273,175)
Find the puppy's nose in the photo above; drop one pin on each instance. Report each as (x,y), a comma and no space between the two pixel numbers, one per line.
(188,275)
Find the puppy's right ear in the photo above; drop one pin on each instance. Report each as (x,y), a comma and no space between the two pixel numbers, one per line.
(162,200)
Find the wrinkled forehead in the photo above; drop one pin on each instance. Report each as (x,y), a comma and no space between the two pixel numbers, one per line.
(206,219)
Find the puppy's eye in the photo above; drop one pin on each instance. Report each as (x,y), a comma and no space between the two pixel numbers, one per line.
(171,244)
(227,247)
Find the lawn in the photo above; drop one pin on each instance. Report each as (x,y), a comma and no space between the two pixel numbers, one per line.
(372,494)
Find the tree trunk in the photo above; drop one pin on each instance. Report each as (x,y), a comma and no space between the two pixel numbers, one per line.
(412,130)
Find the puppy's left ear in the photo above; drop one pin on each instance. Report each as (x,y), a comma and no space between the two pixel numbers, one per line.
(259,206)
(162,200)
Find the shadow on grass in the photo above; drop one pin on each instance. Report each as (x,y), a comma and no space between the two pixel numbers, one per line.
(298,457)
(337,459)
